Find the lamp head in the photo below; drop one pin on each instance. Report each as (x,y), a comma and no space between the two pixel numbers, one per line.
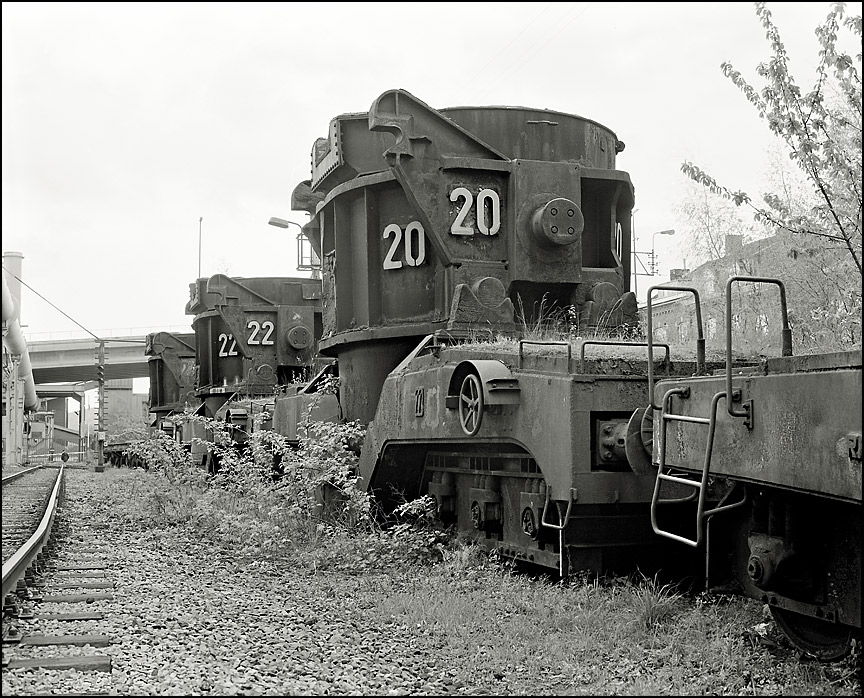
(281,222)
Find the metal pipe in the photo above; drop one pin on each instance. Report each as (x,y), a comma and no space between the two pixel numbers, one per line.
(12,264)
(18,345)
(10,305)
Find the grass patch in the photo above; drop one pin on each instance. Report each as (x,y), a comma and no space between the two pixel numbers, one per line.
(525,635)
(518,633)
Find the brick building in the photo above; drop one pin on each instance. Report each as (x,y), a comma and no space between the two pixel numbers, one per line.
(756,308)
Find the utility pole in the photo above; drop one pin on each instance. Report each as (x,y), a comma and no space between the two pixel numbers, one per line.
(200,220)
(100,429)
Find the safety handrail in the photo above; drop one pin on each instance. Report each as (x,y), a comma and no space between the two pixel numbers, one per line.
(786,333)
(558,527)
(700,338)
(537,341)
(612,342)
(564,521)
(430,340)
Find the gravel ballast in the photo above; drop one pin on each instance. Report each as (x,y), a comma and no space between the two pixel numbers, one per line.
(187,616)
(187,619)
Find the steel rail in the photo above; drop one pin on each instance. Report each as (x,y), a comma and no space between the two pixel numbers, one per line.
(20,473)
(16,566)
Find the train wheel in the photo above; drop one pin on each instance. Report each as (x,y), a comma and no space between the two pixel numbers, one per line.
(471,404)
(823,639)
(639,442)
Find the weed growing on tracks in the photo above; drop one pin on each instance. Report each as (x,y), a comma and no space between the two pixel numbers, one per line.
(284,519)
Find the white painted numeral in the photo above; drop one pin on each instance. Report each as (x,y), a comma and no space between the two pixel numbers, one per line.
(224,349)
(254,326)
(389,262)
(493,209)
(412,259)
(457,228)
(488,212)
(415,245)
(267,326)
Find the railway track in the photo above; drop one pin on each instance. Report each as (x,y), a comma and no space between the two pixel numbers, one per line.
(30,499)
(51,578)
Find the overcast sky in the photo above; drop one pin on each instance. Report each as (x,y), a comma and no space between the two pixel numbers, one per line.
(123,123)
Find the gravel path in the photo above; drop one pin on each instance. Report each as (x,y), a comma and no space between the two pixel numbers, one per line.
(186,620)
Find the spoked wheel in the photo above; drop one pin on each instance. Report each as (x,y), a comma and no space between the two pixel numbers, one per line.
(639,442)
(821,638)
(471,404)
(646,429)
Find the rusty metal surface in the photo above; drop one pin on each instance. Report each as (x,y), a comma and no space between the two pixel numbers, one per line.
(439,230)
(172,366)
(806,425)
(556,418)
(253,334)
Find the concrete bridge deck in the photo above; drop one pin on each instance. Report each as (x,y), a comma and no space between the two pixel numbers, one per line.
(74,360)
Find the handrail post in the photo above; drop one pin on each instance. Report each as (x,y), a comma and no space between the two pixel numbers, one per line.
(786,333)
(700,338)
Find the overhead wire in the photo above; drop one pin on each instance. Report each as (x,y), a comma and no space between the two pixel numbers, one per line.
(96,337)
(24,283)
(481,74)
(518,62)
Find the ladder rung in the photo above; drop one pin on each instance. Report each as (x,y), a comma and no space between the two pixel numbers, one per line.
(681,480)
(698,485)
(684,418)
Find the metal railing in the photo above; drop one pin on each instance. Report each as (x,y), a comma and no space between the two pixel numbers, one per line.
(78,456)
(52,335)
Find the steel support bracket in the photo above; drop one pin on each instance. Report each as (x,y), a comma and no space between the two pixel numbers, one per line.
(748,419)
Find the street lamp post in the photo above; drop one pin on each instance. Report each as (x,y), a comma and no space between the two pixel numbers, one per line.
(303,247)
(282,223)
(653,254)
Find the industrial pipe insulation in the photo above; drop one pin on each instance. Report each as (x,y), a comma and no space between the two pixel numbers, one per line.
(16,344)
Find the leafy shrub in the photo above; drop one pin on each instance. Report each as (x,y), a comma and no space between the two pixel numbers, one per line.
(165,456)
(271,500)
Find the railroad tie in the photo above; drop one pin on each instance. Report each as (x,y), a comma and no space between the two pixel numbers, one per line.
(74,583)
(76,640)
(95,662)
(70,616)
(75,598)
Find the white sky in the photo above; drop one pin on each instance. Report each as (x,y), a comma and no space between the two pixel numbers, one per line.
(123,123)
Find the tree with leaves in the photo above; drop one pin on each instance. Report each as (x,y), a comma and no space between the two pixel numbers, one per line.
(821,130)
(706,221)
